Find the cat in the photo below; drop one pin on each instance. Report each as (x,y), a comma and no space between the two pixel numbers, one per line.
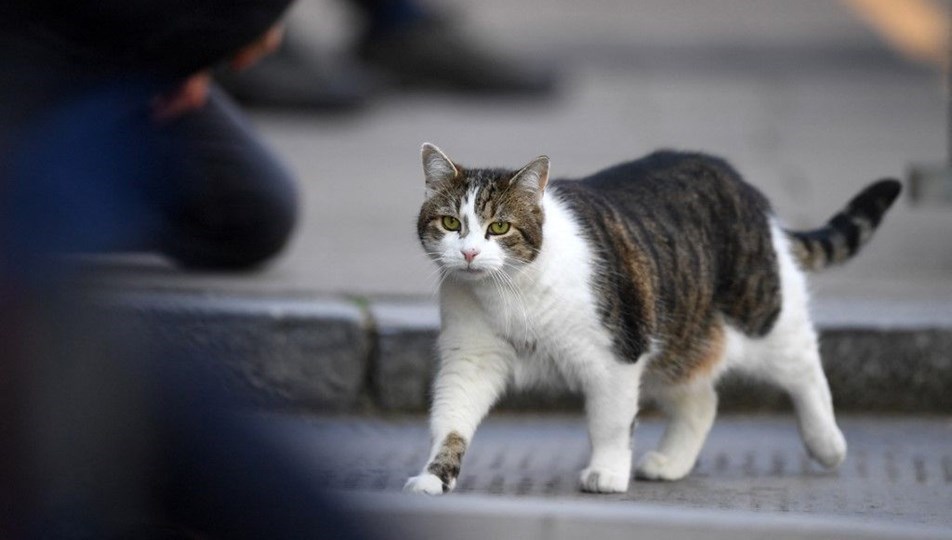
(647,280)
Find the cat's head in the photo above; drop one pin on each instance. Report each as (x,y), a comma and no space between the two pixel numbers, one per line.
(475,222)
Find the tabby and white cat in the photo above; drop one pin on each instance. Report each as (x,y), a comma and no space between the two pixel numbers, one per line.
(649,279)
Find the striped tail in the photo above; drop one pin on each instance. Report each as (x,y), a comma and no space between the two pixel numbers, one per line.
(846,232)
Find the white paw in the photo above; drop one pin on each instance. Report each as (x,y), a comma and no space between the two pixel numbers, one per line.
(601,480)
(657,466)
(829,450)
(427,483)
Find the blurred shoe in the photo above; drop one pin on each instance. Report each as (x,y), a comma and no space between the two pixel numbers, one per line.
(297,77)
(434,52)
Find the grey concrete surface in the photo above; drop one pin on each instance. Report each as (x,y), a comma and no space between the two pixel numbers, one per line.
(898,471)
(806,102)
(800,96)
(309,352)
(499,517)
(403,362)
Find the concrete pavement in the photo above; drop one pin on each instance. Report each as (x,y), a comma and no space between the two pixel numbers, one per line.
(898,472)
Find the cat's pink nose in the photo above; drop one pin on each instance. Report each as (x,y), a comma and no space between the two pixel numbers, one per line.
(470,254)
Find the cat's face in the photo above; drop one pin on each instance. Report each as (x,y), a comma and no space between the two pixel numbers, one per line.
(477,222)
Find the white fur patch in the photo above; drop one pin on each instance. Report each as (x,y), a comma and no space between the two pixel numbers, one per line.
(426,483)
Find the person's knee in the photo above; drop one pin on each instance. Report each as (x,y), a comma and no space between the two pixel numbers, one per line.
(236,229)
(234,204)
(269,231)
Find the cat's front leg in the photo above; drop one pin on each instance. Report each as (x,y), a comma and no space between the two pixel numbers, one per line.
(611,404)
(470,380)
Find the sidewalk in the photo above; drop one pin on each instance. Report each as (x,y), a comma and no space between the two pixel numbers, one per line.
(898,472)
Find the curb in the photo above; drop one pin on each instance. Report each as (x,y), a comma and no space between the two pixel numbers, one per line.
(303,352)
(325,353)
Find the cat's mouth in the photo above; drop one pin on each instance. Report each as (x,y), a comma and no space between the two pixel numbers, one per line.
(472,272)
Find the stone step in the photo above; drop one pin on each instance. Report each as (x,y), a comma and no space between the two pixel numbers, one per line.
(339,353)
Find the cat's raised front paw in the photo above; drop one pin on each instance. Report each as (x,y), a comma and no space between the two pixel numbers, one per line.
(599,480)
(657,466)
(427,483)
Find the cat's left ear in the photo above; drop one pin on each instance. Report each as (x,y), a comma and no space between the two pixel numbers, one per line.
(437,168)
(533,177)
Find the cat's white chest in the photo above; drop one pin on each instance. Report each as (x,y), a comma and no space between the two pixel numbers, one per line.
(551,322)
(545,314)
(527,321)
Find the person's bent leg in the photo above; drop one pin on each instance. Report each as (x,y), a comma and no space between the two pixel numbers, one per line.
(229,204)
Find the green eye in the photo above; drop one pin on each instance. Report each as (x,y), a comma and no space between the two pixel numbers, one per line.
(499,227)
(450,223)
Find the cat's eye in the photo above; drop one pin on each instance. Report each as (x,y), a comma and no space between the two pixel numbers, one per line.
(499,227)
(450,223)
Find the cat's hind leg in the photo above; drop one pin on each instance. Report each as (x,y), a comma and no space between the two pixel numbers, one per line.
(789,356)
(794,366)
(691,407)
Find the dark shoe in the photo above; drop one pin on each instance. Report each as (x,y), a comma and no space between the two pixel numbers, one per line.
(296,77)
(435,53)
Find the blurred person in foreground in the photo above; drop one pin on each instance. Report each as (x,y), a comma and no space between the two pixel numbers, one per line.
(112,137)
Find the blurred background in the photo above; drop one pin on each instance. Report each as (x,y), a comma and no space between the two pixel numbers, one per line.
(809,100)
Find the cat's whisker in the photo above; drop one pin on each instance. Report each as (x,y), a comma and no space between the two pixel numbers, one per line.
(438,270)
(434,273)
(500,286)
(437,255)
(518,296)
(444,274)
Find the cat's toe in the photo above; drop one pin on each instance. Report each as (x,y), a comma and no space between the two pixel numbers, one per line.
(657,466)
(426,483)
(829,450)
(597,480)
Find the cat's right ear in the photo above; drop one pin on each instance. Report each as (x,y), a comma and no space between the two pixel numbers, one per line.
(533,177)
(437,168)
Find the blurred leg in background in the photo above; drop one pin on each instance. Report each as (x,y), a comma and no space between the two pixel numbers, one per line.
(399,43)
(229,204)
